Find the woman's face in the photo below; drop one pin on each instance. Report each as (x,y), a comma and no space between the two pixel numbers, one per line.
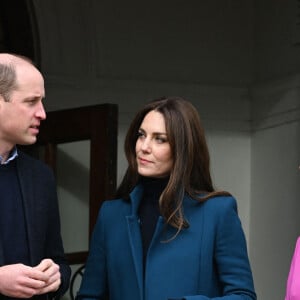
(153,151)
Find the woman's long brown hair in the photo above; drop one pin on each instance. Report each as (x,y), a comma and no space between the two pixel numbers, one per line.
(191,168)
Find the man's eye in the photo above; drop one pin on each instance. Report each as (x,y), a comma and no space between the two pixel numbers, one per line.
(31,102)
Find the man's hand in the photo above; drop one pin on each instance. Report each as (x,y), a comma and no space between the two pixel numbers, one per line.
(21,281)
(51,271)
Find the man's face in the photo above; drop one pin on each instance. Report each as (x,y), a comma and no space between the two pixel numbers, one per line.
(20,117)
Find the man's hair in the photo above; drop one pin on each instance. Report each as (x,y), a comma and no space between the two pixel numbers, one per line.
(8,76)
(8,81)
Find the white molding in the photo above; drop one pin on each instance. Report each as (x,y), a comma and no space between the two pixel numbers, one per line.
(276,103)
(220,107)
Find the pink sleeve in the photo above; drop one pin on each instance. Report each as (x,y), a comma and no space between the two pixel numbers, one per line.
(293,282)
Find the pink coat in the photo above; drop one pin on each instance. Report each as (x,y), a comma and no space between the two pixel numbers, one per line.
(293,282)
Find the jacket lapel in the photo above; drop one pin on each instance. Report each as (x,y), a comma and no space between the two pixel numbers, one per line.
(136,248)
(134,234)
(26,186)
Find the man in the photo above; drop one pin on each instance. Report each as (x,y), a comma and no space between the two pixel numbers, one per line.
(32,261)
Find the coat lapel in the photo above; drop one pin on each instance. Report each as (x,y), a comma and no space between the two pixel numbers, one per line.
(134,234)
(136,248)
(26,186)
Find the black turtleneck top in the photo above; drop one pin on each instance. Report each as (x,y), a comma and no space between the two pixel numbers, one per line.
(149,209)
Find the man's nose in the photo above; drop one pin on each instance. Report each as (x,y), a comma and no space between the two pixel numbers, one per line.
(41,113)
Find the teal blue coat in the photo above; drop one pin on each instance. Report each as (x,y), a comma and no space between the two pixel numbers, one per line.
(206,261)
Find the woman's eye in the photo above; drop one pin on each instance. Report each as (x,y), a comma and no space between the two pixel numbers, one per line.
(161,139)
(141,134)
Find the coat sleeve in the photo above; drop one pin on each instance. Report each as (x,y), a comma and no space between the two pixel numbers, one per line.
(230,255)
(293,287)
(94,281)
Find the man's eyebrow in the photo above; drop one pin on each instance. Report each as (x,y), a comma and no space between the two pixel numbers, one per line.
(34,97)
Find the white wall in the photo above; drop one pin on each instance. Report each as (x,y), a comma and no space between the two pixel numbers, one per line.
(275,184)
(275,178)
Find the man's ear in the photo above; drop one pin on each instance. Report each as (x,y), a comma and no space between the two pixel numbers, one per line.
(2,100)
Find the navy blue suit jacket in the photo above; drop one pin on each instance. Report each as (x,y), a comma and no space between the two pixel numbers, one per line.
(208,260)
(38,189)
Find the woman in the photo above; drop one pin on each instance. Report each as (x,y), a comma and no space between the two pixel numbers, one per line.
(169,234)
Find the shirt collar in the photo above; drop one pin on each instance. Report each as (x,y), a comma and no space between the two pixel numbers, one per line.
(13,154)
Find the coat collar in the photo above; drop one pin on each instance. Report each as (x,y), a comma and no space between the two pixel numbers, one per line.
(135,198)
(134,234)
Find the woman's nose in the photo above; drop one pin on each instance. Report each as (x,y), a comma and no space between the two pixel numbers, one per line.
(146,145)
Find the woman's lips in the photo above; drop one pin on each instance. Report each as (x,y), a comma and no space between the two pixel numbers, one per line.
(144,161)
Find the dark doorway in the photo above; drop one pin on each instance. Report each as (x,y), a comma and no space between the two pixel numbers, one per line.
(18,29)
